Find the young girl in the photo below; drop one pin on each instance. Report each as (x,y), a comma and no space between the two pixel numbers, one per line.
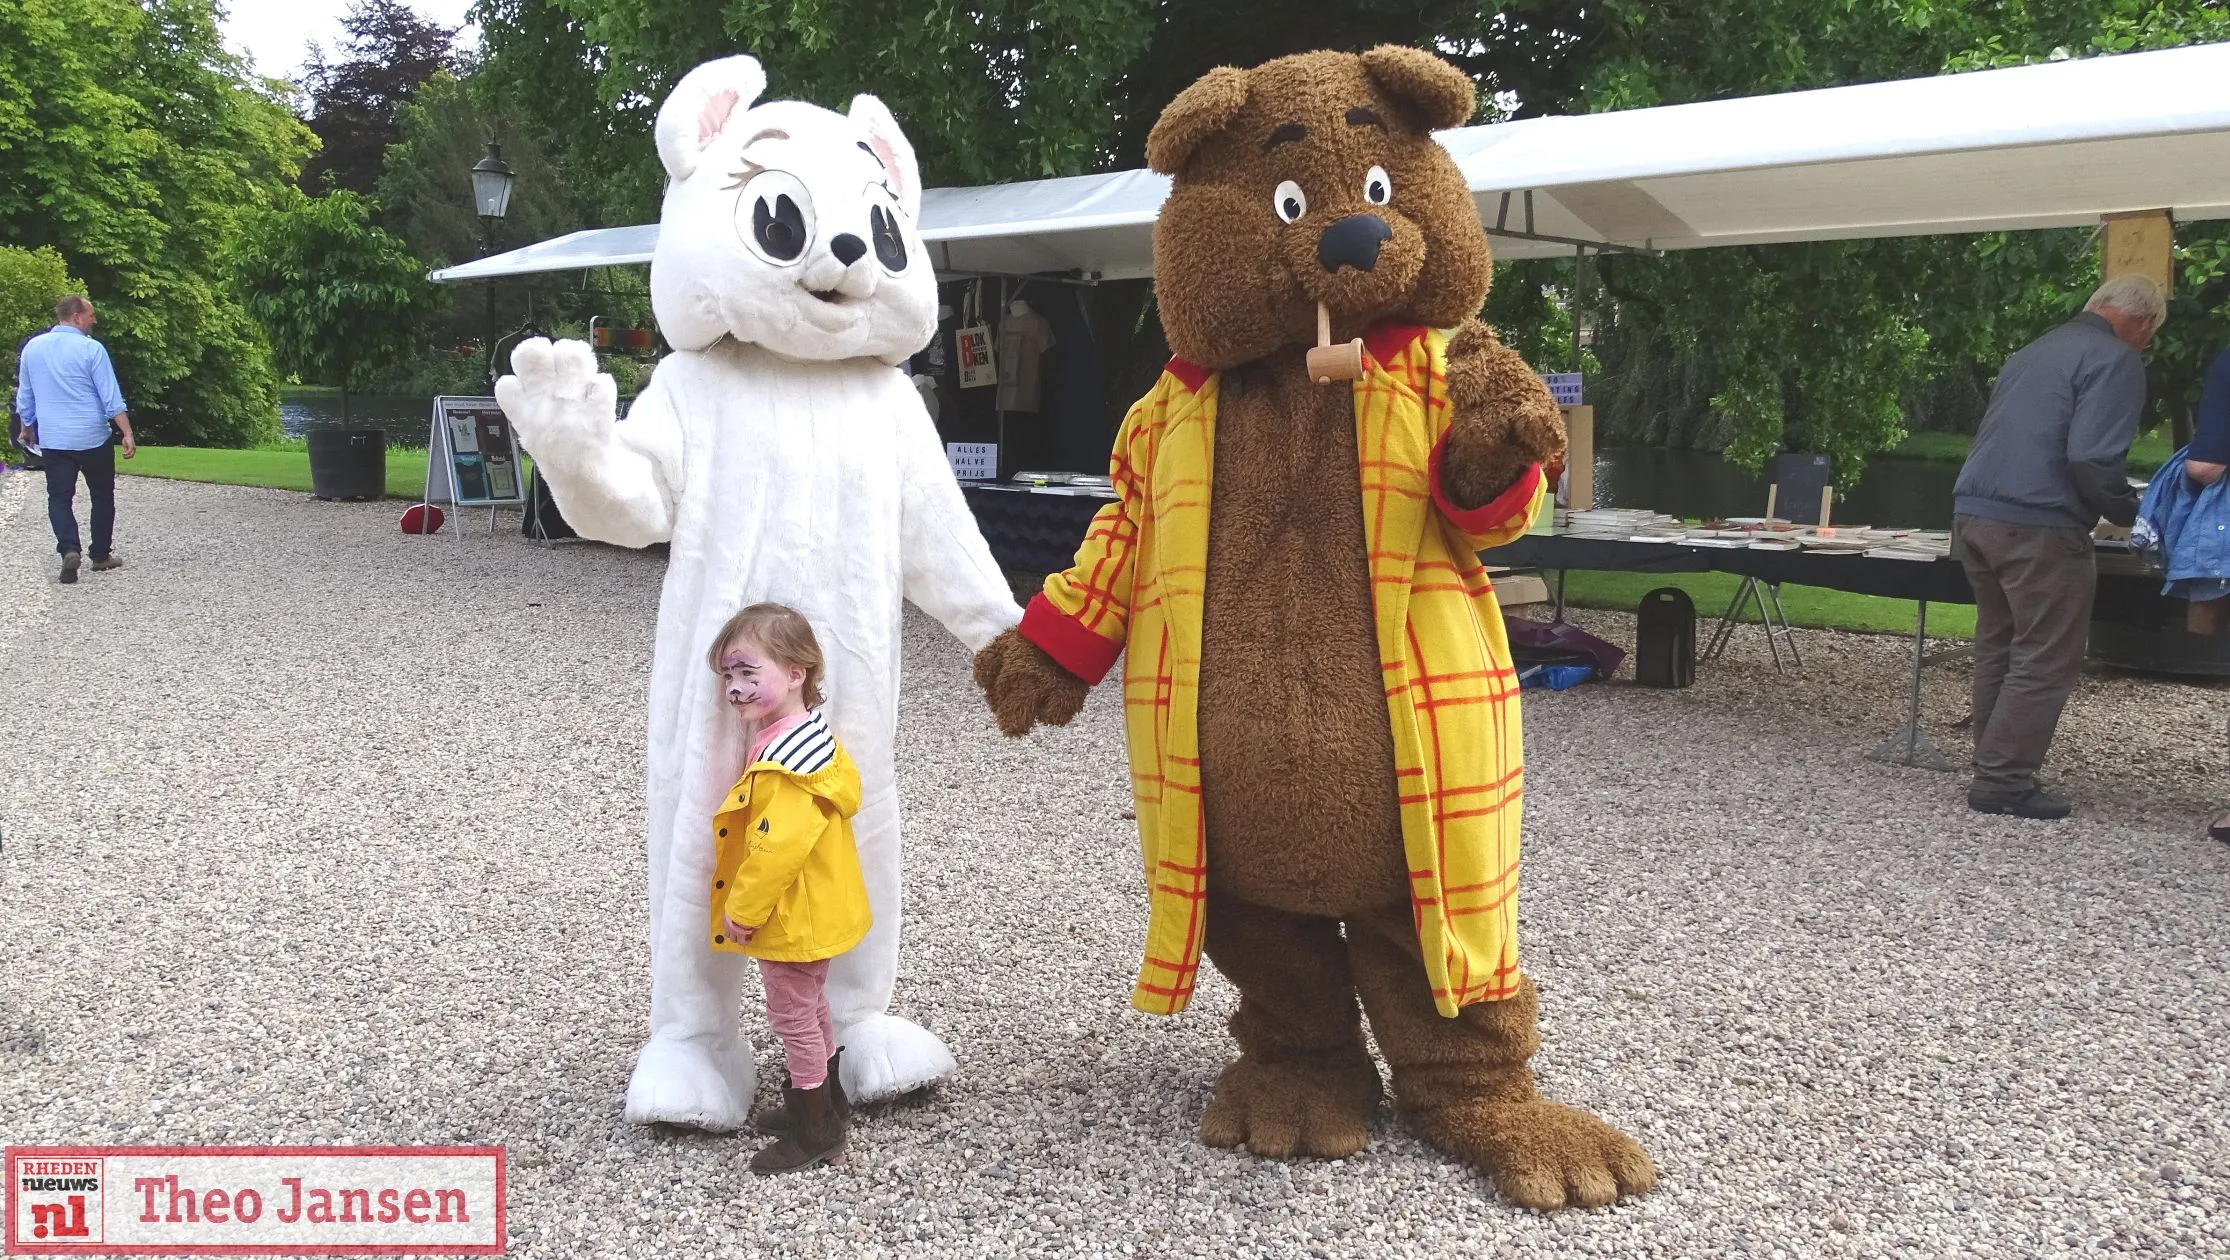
(786,885)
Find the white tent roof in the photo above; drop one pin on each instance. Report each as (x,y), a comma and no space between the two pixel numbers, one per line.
(2051,145)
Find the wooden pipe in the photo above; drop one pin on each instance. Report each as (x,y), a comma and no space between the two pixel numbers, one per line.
(1327,362)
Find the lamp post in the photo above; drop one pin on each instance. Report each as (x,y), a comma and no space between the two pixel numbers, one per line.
(491,198)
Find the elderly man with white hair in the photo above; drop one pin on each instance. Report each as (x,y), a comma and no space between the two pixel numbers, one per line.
(2049,461)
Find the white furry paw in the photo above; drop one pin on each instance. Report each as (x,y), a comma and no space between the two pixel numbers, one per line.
(885,1056)
(694,1083)
(562,407)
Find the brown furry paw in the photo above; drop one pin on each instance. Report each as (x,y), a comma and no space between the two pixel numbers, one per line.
(1543,1155)
(1504,419)
(1025,685)
(1281,1110)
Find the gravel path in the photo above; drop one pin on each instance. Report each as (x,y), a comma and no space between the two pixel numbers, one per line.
(318,833)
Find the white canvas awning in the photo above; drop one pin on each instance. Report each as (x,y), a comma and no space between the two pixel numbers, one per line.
(2053,145)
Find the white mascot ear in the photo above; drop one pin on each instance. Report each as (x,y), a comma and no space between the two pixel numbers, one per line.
(700,105)
(891,149)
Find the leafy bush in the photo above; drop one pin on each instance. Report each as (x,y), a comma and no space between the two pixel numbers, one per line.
(341,301)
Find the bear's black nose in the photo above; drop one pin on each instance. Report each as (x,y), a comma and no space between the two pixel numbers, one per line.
(1353,242)
(848,249)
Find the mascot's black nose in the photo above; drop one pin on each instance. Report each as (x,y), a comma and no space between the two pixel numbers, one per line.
(848,249)
(1353,242)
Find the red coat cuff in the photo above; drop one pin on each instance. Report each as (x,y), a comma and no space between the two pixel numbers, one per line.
(1498,511)
(1064,638)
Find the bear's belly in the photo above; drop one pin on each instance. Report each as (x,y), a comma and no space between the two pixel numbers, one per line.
(1296,752)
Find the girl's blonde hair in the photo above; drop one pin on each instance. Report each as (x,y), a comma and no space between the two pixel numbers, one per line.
(785,634)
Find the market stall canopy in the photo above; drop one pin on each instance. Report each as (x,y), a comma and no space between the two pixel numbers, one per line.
(2052,145)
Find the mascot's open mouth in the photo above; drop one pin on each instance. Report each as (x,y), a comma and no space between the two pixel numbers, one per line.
(830,296)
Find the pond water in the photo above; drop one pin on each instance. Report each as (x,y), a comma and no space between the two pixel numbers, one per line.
(405,417)
(1905,493)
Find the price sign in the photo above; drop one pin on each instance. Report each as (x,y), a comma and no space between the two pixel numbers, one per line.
(973,461)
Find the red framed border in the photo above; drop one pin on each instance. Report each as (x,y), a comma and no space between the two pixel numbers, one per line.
(16,1154)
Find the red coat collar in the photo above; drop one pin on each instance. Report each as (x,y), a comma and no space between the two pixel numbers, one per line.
(1382,341)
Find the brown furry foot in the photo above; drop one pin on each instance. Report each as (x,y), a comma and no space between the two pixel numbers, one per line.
(1283,1110)
(1543,1155)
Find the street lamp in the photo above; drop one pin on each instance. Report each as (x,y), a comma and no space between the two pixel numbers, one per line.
(491,198)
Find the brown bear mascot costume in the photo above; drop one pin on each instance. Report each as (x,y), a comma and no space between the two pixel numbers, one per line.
(1322,716)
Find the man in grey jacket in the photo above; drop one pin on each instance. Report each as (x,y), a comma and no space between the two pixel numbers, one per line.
(2049,461)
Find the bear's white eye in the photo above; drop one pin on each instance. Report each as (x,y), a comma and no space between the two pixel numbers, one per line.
(1289,201)
(774,215)
(1377,189)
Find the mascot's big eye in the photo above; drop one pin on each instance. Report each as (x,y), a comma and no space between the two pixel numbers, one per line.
(1289,201)
(890,247)
(1377,189)
(781,214)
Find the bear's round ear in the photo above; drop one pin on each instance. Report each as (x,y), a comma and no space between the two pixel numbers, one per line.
(1438,93)
(891,148)
(700,105)
(1200,111)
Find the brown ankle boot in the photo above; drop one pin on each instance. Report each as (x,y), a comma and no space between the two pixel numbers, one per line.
(817,1138)
(775,1121)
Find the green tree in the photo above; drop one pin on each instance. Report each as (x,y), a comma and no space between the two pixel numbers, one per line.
(31,282)
(356,102)
(1835,346)
(340,300)
(132,144)
(425,192)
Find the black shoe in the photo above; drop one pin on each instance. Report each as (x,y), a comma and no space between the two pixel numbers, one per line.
(775,1121)
(2028,803)
(70,561)
(816,1134)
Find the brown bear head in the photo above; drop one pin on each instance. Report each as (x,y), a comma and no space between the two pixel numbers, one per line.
(1308,179)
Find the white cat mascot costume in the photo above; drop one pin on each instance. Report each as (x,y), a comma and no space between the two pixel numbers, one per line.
(786,459)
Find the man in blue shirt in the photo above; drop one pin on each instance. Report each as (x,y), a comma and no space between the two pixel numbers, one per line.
(67,395)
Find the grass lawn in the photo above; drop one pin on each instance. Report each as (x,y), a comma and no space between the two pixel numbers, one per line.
(284,467)
(1805,605)
(2149,452)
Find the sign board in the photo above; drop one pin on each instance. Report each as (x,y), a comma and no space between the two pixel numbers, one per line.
(472,455)
(1564,387)
(2143,242)
(973,461)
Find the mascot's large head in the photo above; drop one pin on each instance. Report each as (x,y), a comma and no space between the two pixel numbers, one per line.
(1312,179)
(787,225)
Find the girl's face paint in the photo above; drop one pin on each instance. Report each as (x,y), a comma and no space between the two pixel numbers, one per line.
(757,688)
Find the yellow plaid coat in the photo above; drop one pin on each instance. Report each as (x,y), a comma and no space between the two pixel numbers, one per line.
(1451,693)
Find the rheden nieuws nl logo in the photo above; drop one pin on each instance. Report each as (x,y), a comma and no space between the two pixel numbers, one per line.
(254,1200)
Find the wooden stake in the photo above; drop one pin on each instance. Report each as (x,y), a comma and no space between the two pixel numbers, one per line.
(1327,362)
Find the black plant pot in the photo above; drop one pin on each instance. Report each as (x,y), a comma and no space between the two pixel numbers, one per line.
(348,463)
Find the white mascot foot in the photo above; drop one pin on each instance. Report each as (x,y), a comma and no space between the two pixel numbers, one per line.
(693,1083)
(885,1056)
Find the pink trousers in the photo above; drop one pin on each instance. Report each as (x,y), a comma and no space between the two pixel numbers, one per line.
(798,1007)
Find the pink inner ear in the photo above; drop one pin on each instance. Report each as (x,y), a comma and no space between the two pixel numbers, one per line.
(714,115)
(889,158)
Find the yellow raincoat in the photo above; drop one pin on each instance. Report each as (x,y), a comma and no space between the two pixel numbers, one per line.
(1451,693)
(785,863)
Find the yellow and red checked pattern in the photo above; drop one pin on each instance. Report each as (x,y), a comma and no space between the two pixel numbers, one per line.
(1452,695)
